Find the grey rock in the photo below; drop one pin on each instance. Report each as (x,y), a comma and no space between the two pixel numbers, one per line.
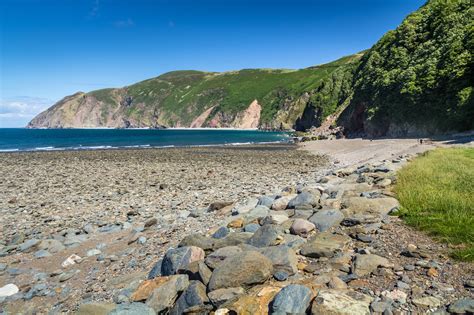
(324,245)
(462,306)
(67,275)
(164,297)
(283,258)
(132,309)
(241,270)
(292,299)
(302,214)
(252,227)
(179,258)
(28,245)
(281,275)
(221,296)
(364,238)
(380,306)
(51,245)
(366,264)
(266,235)
(305,200)
(211,244)
(156,270)
(42,253)
(266,201)
(325,219)
(221,232)
(193,296)
(214,259)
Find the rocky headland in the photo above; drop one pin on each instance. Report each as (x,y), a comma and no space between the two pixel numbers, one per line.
(249,230)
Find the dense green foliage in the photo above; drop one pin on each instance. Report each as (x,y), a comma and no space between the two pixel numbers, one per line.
(420,74)
(436,192)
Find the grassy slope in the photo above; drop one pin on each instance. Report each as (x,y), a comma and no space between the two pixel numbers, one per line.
(436,192)
(183,95)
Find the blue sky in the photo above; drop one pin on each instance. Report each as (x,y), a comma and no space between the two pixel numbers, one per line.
(53,48)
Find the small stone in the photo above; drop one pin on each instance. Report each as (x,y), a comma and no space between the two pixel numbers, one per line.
(142,240)
(396,295)
(281,203)
(132,309)
(427,301)
(156,270)
(93,252)
(364,238)
(237,223)
(462,306)
(325,219)
(151,222)
(71,260)
(29,245)
(292,299)
(42,253)
(8,290)
(302,227)
(266,235)
(221,232)
(337,283)
(96,308)
(380,307)
(193,297)
(218,205)
(432,272)
(252,227)
(402,285)
(280,275)
(67,275)
(220,296)
(468,283)
(409,267)
(341,302)
(366,264)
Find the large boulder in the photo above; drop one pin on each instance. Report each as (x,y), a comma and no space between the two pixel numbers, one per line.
(340,302)
(324,245)
(325,219)
(292,299)
(241,270)
(179,258)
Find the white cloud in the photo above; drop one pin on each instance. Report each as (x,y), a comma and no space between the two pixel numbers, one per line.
(23,106)
(124,23)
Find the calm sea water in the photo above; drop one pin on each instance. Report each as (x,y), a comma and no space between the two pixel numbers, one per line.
(17,139)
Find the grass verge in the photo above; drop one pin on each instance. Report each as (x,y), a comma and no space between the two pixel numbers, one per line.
(436,193)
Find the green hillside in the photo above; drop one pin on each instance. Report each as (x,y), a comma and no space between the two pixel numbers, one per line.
(182,94)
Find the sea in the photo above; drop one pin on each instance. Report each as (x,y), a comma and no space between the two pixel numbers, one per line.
(22,139)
